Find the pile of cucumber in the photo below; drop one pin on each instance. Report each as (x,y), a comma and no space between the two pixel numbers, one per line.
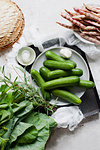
(58,76)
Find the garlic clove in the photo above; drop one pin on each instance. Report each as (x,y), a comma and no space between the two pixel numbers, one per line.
(66,52)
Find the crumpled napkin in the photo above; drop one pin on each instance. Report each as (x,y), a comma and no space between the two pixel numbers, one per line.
(68,117)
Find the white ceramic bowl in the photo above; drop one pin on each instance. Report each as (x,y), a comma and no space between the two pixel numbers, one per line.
(26,56)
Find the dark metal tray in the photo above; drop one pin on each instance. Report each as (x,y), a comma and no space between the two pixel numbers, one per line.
(90,100)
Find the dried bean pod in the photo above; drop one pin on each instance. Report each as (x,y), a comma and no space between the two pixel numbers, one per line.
(71,14)
(93,23)
(68,27)
(89,28)
(88,14)
(65,25)
(91,39)
(75,22)
(92,8)
(98,29)
(98,37)
(78,17)
(91,33)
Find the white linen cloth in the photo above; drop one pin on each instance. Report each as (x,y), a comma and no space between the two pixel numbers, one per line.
(32,36)
(68,117)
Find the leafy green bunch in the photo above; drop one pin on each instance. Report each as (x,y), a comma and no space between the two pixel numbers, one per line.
(22,125)
(17,91)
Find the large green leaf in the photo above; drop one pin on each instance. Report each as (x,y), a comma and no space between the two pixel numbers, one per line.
(19,130)
(11,124)
(6,137)
(40,120)
(44,124)
(3,106)
(2,143)
(26,130)
(22,109)
(38,144)
(6,98)
(17,107)
(26,110)
(5,115)
(29,136)
(19,110)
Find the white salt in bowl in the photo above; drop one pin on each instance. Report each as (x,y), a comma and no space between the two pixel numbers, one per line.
(26,56)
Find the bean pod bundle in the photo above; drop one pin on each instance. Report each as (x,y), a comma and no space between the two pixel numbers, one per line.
(85,21)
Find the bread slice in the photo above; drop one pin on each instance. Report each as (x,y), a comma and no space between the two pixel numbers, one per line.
(11,23)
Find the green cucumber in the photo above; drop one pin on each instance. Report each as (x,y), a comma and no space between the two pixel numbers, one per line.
(39,80)
(71,61)
(76,72)
(51,55)
(56,74)
(61,82)
(49,75)
(61,73)
(86,84)
(67,96)
(58,65)
(44,72)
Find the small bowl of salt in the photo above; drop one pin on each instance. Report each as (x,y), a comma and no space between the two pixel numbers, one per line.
(26,56)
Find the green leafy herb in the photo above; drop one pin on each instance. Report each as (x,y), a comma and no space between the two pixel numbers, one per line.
(22,126)
(23,91)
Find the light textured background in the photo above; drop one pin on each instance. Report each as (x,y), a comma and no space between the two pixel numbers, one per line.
(43,14)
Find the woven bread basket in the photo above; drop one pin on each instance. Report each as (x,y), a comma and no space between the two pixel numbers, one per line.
(11,23)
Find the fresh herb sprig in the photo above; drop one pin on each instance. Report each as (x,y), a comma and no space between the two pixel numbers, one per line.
(24,90)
